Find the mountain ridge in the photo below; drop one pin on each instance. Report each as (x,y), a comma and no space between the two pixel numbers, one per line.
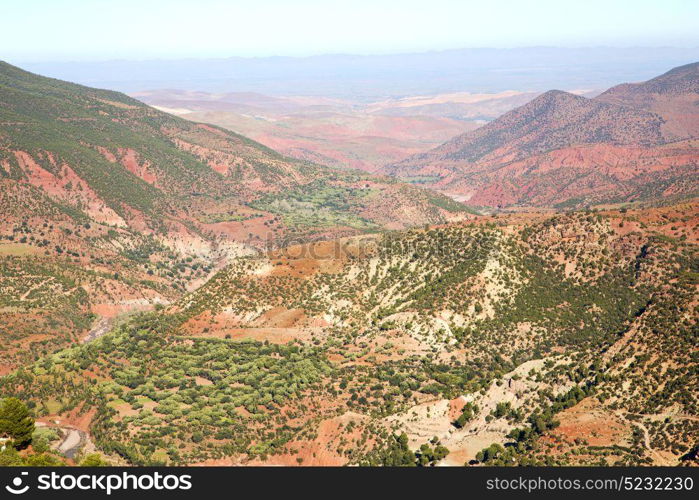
(521,329)
(539,145)
(102,193)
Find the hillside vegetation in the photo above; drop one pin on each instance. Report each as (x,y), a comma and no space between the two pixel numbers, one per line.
(498,331)
(116,206)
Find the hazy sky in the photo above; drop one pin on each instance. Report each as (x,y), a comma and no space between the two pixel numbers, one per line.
(45,30)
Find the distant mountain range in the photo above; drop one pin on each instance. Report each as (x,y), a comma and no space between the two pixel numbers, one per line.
(373,77)
(632,142)
(118,161)
(340,133)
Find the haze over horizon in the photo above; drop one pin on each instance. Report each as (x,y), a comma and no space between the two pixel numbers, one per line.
(363,49)
(214,29)
(376,77)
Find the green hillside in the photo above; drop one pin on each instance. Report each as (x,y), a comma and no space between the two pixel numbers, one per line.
(383,326)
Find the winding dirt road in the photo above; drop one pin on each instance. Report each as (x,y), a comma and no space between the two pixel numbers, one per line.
(72,443)
(101,327)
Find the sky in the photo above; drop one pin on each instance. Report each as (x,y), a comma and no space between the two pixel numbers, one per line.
(93,30)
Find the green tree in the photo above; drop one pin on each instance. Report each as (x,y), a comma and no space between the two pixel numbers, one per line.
(43,460)
(10,457)
(94,460)
(469,411)
(40,445)
(16,423)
